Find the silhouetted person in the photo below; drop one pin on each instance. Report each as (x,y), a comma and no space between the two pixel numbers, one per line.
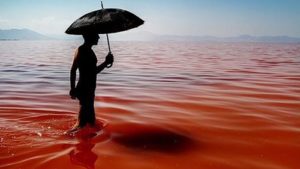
(86,61)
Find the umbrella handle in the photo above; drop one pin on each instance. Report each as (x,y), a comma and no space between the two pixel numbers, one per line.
(110,65)
(107,38)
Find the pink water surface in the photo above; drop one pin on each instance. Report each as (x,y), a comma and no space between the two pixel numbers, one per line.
(184,105)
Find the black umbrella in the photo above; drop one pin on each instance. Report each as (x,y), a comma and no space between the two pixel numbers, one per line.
(105,21)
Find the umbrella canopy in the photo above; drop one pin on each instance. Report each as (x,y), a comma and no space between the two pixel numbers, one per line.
(105,21)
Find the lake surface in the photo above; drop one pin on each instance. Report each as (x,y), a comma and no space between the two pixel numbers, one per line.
(167,105)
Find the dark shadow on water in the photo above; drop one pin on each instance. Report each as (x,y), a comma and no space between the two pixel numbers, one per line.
(154,139)
(133,136)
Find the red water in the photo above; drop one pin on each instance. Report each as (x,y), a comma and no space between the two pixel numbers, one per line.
(166,105)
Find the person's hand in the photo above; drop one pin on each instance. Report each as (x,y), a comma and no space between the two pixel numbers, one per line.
(73,94)
(109,60)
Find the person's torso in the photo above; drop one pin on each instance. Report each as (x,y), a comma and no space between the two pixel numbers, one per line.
(87,65)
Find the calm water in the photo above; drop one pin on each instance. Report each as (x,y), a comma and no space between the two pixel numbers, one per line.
(167,105)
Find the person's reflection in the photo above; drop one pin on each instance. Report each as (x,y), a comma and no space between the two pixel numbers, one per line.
(83,154)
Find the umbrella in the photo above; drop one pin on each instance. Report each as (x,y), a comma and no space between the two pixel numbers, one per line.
(105,21)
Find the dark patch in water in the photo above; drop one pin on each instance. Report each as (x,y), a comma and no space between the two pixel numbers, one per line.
(154,139)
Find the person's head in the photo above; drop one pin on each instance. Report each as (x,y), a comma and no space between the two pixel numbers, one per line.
(91,38)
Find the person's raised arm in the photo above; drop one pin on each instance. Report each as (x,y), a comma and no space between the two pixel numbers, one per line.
(108,60)
(73,76)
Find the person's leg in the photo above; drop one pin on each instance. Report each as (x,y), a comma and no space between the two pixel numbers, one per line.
(87,111)
(91,111)
(82,118)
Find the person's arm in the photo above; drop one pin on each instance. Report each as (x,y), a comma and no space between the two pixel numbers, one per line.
(73,75)
(108,60)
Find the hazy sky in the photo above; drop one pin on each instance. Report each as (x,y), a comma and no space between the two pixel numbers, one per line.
(180,17)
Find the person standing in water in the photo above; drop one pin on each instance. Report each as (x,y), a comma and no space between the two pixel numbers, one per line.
(86,61)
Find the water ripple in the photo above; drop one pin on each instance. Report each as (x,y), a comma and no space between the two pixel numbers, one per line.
(179,105)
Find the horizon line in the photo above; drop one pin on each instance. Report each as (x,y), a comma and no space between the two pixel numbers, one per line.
(159,34)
